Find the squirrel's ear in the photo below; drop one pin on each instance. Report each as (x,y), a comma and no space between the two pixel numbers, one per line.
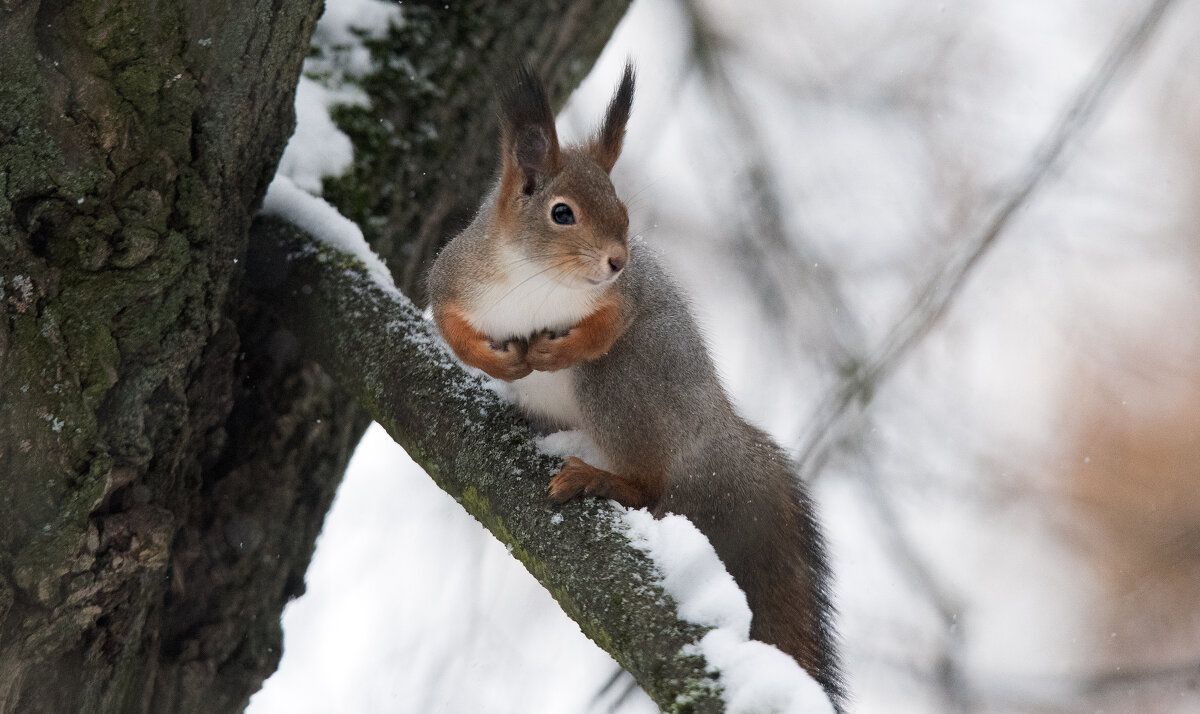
(530,143)
(606,147)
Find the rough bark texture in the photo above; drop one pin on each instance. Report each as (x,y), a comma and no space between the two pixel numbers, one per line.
(137,138)
(166,455)
(476,448)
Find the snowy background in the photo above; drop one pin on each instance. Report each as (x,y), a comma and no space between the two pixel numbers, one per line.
(1013,508)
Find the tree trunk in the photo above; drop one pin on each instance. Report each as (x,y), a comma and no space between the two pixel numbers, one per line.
(167,454)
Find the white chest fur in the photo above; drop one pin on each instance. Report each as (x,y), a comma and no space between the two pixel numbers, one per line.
(528,300)
(548,397)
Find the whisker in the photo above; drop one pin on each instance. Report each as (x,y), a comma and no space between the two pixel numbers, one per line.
(645,187)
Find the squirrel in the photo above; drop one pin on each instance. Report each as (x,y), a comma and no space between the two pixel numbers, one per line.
(543,290)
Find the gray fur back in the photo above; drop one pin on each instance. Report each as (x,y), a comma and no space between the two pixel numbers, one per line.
(655,400)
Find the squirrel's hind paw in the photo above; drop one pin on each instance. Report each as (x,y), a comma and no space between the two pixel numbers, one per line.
(578,478)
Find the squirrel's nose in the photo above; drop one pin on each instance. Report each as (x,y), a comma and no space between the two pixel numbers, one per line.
(616,262)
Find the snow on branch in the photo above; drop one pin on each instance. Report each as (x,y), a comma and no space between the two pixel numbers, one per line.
(623,576)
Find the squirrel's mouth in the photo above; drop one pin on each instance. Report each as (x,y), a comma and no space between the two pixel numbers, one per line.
(584,282)
(609,269)
(597,282)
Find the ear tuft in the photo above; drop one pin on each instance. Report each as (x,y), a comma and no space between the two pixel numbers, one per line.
(606,147)
(530,142)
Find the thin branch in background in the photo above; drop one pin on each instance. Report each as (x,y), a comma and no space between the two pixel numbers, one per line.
(617,689)
(779,262)
(932,302)
(949,608)
(786,270)
(1031,693)
(962,692)
(777,259)
(1104,682)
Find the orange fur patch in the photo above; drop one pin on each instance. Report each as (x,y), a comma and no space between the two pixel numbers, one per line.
(475,348)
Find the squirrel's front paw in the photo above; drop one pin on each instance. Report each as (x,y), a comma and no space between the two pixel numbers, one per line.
(551,351)
(508,360)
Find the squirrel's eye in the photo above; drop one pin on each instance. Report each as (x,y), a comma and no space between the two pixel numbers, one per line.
(562,214)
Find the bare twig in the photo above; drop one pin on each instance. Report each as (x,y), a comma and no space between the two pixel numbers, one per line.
(946,604)
(779,264)
(932,302)
(1028,693)
(785,268)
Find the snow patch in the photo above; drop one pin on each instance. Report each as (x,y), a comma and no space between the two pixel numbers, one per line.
(321,220)
(317,148)
(571,442)
(692,573)
(756,677)
(346,21)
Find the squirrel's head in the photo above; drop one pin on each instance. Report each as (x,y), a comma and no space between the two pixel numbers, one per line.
(557,205)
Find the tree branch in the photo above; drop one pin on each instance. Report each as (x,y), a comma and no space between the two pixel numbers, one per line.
(932,301)
(378,347)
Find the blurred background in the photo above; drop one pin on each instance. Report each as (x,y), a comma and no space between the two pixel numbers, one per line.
(947,254)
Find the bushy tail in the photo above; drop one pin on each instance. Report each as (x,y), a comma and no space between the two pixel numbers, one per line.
(762,524)
(787,585)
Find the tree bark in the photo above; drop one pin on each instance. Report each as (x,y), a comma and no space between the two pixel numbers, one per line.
(167,454)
